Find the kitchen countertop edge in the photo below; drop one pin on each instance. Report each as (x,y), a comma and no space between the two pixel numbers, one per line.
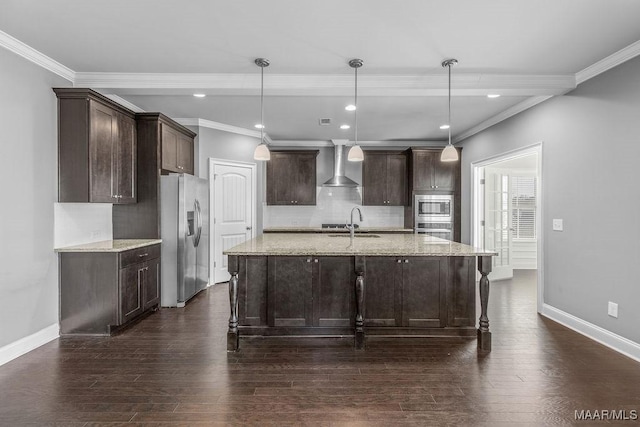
(118,245)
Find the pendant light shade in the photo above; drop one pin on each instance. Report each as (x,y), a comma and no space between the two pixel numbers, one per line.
(262,150)
(449,154)
(355,152)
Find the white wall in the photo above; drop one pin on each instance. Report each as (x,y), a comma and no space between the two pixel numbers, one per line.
(78,223)
(590,154)
(28,264)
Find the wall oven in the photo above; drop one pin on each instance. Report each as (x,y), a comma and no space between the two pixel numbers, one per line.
(434,215)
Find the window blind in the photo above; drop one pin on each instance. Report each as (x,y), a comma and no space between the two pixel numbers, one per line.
(523,207)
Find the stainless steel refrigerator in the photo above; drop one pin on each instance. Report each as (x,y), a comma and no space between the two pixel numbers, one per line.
(184,222)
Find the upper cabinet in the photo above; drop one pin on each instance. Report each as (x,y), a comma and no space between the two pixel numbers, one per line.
(177,149)
(384,178)
(291,178)
(431,174)
(96,149)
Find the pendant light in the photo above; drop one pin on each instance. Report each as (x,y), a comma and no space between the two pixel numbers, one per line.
(449,154)
(262,151)
(355,152)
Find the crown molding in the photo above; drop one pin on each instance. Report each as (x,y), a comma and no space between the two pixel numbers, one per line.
(119,100)
(609,62)
(330,85)
(38,58)
(222,127)
(509,112)
(400,144)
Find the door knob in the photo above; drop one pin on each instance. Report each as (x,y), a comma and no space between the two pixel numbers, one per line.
(248,228)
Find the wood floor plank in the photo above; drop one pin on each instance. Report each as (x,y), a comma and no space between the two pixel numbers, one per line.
(172,368)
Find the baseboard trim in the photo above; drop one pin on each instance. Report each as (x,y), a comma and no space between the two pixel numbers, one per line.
(26,344)
(607,338)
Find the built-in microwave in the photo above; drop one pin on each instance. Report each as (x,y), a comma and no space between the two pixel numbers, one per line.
(434,205)
(434,215)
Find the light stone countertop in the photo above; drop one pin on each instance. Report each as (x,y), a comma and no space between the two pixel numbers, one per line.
(120,245)
(339,244)
(299,229)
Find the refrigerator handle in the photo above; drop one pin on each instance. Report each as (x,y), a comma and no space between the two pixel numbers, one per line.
(196,237)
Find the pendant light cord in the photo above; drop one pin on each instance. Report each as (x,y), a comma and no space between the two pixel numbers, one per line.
(356,105)
(449,67)
(262,105)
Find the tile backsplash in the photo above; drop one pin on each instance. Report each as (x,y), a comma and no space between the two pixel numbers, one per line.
(78,223)
(333,205)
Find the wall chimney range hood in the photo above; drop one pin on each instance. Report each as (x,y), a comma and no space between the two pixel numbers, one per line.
(338,179)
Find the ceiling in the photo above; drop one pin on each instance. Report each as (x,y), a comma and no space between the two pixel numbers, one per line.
(157,53)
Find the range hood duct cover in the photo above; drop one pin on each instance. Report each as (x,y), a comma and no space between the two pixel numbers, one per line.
(338,179)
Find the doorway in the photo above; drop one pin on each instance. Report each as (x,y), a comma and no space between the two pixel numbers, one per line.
(507,213)
(233,209)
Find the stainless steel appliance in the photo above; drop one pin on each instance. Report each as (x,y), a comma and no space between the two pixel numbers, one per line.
(434,215)
(184,222)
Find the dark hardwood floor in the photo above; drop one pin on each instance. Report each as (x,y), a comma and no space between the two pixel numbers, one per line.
(172,368)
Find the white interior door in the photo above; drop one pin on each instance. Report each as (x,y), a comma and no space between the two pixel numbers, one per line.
(497,222)
(233,210)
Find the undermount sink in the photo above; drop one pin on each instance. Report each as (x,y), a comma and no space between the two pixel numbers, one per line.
(358,235)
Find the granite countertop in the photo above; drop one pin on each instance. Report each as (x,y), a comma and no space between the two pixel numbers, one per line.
(339,244)
(120,245)
(299,229)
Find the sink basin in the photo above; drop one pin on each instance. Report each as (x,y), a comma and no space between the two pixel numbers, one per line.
(358,235)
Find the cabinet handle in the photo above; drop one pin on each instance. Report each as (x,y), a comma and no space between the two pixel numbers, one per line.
(292,202)
(406,261)
(315,260)
(308,259)
(143,255)
(398,261)
(296,202)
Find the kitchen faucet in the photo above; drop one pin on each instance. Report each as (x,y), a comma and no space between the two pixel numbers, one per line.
(351,227)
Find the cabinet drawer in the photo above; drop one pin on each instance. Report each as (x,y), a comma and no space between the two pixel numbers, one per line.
(139,255)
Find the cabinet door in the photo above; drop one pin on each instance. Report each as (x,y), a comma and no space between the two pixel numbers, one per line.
(333,291)
(289,291)
(184,154)
(396,180)
(444,173)
(125,160)
(169,149)
(279,170)
(131,303)
(422,171)
(304,179)
(424,292)
(374,179)
(102,152)
(151,283)
(383,291)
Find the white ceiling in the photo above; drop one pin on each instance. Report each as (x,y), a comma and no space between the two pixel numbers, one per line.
(521,49)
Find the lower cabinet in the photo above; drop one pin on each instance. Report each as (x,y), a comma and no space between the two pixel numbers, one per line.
(103,291)
(400,293)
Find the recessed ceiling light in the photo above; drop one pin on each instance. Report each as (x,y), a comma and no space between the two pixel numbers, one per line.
(258,126)
(350,107)
(443,127)
(345,127)
(199,95)
(493,95)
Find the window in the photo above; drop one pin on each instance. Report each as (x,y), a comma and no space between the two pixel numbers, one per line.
(523,207)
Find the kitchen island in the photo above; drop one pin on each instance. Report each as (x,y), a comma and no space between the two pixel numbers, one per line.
(375,284)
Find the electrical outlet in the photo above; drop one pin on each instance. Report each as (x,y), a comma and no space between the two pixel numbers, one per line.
(613,309)
(558,225)
(95,234)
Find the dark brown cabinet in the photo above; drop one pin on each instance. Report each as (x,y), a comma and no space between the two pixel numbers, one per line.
(290,285)
(159,143)
(96,149)
(177,150)
(291,178)
(384,178)
(102,291)
(406,291)
(431,174)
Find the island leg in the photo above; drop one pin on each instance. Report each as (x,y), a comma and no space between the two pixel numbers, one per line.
(232,334)
(484,336)
(359,332)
